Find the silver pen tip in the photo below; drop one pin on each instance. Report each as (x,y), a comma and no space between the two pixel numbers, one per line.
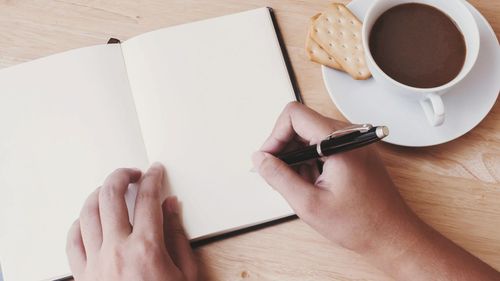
(382,132)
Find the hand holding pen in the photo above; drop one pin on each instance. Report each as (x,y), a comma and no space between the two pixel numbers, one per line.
(352,193)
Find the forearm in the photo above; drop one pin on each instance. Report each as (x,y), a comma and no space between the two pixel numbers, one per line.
(418,252)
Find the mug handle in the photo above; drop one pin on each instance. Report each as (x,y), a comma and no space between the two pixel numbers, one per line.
(434,109)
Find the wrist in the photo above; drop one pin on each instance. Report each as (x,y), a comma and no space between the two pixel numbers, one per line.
(393,239)
(416,251)
(401,245)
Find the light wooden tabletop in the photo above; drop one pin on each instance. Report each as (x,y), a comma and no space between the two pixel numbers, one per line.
(455,187)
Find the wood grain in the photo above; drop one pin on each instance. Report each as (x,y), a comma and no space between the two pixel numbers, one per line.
(455,187)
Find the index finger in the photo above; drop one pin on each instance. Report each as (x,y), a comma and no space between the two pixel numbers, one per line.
(298,120)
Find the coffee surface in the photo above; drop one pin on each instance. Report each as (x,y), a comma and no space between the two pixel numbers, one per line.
(417,45)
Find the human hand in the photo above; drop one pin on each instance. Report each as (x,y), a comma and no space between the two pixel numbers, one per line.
(102,245)
(353,202)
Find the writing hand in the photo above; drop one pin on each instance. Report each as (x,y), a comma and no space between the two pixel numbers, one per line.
(355,204)
(352,202)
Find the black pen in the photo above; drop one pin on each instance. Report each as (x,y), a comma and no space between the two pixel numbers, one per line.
(339,141)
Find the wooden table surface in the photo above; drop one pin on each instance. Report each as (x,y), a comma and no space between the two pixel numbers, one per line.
(455,187)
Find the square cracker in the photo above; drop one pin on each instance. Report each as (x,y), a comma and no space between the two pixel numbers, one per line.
(316,53)
(338,32)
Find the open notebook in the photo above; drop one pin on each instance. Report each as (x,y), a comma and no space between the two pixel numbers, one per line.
(200,98)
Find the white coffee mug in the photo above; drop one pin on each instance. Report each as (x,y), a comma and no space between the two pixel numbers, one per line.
(429,98)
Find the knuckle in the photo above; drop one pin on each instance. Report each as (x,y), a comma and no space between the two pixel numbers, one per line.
(146,248)
(115,254)
(145,245)
(147,194)
(292,106)
(119,172)
(119,175)
(116,257)
(111,190)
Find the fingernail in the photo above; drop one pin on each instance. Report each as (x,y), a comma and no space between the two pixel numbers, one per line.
(157,165)
(257,159)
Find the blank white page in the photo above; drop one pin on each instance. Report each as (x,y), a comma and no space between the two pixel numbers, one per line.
(66,122)
(207,95)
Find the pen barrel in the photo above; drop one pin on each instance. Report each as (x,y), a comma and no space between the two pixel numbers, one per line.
(301,155)
(331,146)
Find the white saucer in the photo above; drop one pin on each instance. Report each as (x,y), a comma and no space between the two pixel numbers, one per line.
(466,104)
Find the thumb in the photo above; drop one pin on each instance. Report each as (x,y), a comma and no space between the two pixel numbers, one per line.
(302,196)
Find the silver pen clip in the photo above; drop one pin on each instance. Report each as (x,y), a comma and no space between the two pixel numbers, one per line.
(363,128)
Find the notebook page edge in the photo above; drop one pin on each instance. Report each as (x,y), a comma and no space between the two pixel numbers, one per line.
(147,38)
(201,21)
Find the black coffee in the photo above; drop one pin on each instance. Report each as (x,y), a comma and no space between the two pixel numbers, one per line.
(417,45)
